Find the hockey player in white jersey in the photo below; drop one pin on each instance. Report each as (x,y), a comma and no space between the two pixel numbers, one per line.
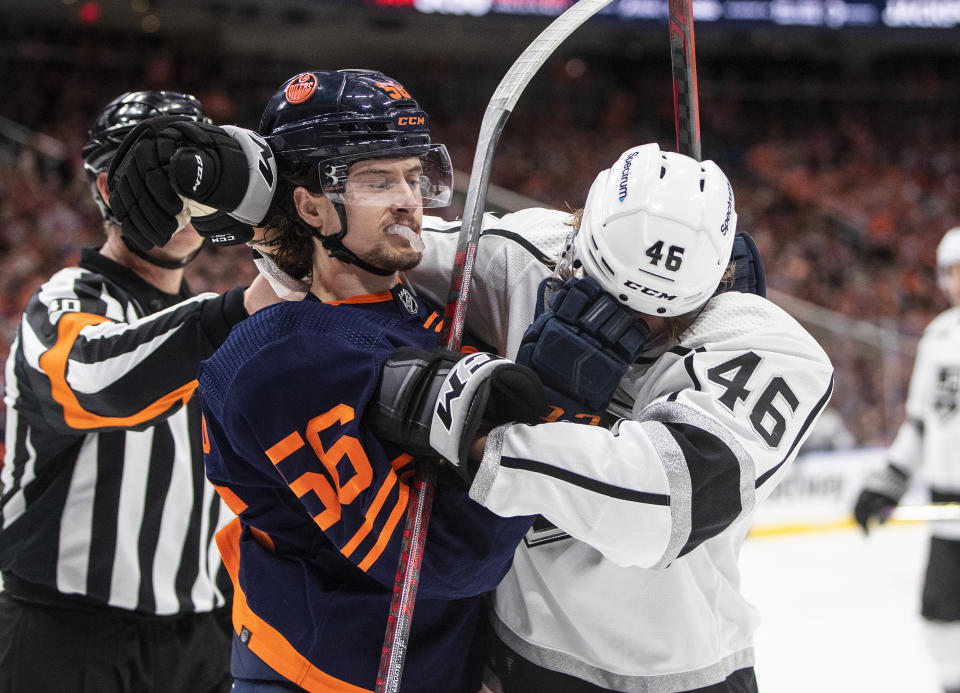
(635,586)
(926,444)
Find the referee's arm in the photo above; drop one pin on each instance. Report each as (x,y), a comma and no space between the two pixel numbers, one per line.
(90,370)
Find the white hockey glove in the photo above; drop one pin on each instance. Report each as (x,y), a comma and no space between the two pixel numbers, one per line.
(434,402)
(168,170)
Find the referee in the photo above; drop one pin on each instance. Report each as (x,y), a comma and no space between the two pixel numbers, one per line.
(112,579)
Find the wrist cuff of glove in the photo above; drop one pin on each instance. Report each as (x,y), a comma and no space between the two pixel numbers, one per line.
(890,481)
(261,176)
(484,476)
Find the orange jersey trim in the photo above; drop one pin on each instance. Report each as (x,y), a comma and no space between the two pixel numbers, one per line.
(370,515)
(204,436)
(237,506)
(53,362)
(265,641)
(399,510)
(286,447)
(363,298)
(232,500)
(400,461)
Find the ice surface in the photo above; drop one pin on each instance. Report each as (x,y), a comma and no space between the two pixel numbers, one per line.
(840,611)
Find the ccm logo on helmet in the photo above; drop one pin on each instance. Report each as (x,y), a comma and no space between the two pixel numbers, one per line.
(630,284)
(410,121)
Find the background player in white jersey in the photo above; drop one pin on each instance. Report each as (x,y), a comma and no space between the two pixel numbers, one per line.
(636,588)
(928,439)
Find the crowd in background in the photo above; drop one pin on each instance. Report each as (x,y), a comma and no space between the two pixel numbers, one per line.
(846,191)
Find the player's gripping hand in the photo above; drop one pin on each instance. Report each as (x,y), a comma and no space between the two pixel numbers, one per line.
(749,276)
(880,495)
(434,402)
(583,341)
(168,168)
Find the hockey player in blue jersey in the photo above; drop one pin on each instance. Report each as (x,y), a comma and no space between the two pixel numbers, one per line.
(320,501)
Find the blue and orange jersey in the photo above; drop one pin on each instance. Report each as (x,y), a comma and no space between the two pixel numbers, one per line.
(321,503)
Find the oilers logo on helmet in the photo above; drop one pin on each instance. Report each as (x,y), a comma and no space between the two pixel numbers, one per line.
(301,88)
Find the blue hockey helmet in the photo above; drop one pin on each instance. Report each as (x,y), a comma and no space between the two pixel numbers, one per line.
(333,118)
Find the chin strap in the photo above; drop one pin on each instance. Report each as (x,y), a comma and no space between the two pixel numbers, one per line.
(158,262)
(333,244)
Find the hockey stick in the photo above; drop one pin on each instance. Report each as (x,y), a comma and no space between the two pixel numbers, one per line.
(931,512)
(504,98)
(683,60)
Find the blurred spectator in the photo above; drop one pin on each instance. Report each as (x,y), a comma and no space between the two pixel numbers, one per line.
(829,433)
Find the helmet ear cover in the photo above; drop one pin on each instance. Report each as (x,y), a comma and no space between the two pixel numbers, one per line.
(657,231)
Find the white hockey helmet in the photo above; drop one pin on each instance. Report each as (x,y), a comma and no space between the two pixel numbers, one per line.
(948,253)
(657,230)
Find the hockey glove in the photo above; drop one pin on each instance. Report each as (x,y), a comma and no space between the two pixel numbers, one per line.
(583,342)
(881,493)
(434,402)
(222,229)
(167,168)
(748,276)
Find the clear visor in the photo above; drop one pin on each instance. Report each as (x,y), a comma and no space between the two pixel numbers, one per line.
(417,180)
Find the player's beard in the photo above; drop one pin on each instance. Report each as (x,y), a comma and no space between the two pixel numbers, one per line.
(389,256)
(393,259)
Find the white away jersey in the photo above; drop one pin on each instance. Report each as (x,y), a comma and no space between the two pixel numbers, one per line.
(930,435)
(640,589)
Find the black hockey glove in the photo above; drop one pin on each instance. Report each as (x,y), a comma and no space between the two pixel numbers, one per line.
(165,160)
(582,342)
(748,275)
(433,402)
(881,493)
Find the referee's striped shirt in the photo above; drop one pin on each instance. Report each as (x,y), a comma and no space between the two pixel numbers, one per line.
(104,501)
